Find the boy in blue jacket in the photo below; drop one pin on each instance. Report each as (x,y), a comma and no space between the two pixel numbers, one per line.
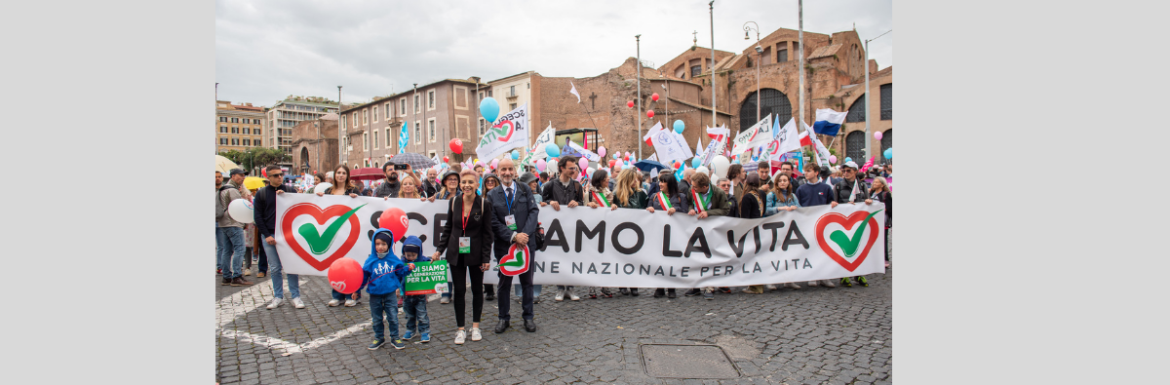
(415,305)
(383,275)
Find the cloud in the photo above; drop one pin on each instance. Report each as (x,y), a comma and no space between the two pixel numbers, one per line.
(267,49)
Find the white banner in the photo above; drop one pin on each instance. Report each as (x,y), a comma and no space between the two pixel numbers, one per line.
(714,148)
(543,140)
(620,248)
(757,135)
(510,131)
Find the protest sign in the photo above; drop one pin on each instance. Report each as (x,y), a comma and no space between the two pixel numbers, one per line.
(427,278)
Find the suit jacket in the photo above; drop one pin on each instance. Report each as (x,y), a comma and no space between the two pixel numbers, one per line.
(479,228)
(526,210)
(719,202)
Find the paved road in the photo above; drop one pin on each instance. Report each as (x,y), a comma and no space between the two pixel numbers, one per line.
(808,336)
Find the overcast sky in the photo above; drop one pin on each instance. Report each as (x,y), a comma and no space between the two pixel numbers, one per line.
(268,49)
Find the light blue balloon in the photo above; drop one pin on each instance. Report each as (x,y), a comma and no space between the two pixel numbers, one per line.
(848,159)
(489,109)
(515,155)
(616,156)
(552,150)
(696,162)
(679,126)
(889,153)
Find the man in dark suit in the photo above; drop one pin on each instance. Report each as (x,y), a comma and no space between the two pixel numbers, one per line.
(514,221)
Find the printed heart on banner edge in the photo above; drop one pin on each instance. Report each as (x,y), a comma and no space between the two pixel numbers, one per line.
(848,223)
(321,216)
(511,257)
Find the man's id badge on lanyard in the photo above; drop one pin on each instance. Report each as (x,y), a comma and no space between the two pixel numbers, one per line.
(510,220)
(464,245)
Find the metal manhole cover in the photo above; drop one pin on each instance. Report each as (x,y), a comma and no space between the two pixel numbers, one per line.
(687,361)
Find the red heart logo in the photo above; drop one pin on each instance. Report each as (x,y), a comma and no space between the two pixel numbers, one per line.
(848,223)
(511,130)
(321,216)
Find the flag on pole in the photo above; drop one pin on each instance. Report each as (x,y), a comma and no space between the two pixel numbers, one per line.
(718,133)
(867,165)
(757,135)
(653,130)
(403,138)
(573,91)
(788,137)
(699,148)
(653,157)
(828,121)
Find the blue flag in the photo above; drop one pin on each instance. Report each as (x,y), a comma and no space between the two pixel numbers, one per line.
(403,138)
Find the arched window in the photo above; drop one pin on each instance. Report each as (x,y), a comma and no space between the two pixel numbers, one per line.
(774,102)
(304,158)
(887,142)
(856,111)
(854,143)
(887,101)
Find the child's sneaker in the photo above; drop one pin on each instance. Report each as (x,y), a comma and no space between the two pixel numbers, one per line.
(444,300)
(863,281)
(350,303)
(426,337)
(846,282)
(333,303)
(460,336)
(377,344)
(398,343)
(409,335)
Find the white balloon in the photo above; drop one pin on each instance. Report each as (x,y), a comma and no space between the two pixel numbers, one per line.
(241,210)
(703,170)
(322,187)
(589,172)
(719,165)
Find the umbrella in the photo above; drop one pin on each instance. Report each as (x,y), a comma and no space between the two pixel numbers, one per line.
(253,182)
(367,173)
(224,165)
(649,165)
(417,161)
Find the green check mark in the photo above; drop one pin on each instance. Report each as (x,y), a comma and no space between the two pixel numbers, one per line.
(849,246)
(517,262)
(319,243)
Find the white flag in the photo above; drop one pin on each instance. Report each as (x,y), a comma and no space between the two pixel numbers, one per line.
(789,138)
(653,157)
(757,135)
(543,139)
(653,130)
(669,145)
(699,148)
(510,132)
(573,91)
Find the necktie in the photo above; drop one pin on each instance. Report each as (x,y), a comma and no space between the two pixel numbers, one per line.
(509,195)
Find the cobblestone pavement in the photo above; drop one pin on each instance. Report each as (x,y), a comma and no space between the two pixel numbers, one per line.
(808,336)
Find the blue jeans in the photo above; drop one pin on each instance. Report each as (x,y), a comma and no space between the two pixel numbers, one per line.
(231,250)
(276,274)
(384,304)
(337,295)
(450,288)
(535,291)
(416,313)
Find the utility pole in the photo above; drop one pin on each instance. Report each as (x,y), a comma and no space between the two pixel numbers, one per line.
(800,52)
(344,133)
(712,13)
(867,95)
(638,40)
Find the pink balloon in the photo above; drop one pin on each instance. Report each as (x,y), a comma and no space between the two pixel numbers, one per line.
(495,162)
(541,164)
(617,167)
(601,151)
(833,159)
(584,163)
(877,135)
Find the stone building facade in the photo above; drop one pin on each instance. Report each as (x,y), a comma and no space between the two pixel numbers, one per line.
(435,114)
(314,145)
(238,126)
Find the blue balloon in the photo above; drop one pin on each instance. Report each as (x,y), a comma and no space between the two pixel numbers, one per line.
(696,162)
(889,153)
(848,159)
(679,126)
(616,156)
(552,150)
(515,155)
(489,109)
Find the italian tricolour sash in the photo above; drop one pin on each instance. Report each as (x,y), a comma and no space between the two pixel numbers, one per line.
(600,198)
(663,201)
(700,203)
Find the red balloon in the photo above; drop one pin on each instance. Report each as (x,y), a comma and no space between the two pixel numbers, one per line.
(654,97)
(611,162)
(445,159)
(395,220)
(650,114)
(630,104)
(345,275)
(456,147)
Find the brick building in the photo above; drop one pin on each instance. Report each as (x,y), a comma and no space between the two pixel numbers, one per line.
(287,113)
(435,114)
(238,126)
(314,145)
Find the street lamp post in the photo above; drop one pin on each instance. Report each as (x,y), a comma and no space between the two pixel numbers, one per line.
(759,61)
(712,14)
(344,132)
(867,99)
(638,40)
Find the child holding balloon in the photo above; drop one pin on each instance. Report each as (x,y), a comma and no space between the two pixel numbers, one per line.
(382,276)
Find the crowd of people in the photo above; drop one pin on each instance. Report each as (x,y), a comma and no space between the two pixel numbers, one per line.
(491,209)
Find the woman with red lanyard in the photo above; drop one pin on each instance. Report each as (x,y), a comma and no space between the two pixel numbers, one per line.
(470,254)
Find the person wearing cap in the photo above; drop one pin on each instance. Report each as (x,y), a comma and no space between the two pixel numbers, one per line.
(850,188)
(230,233)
